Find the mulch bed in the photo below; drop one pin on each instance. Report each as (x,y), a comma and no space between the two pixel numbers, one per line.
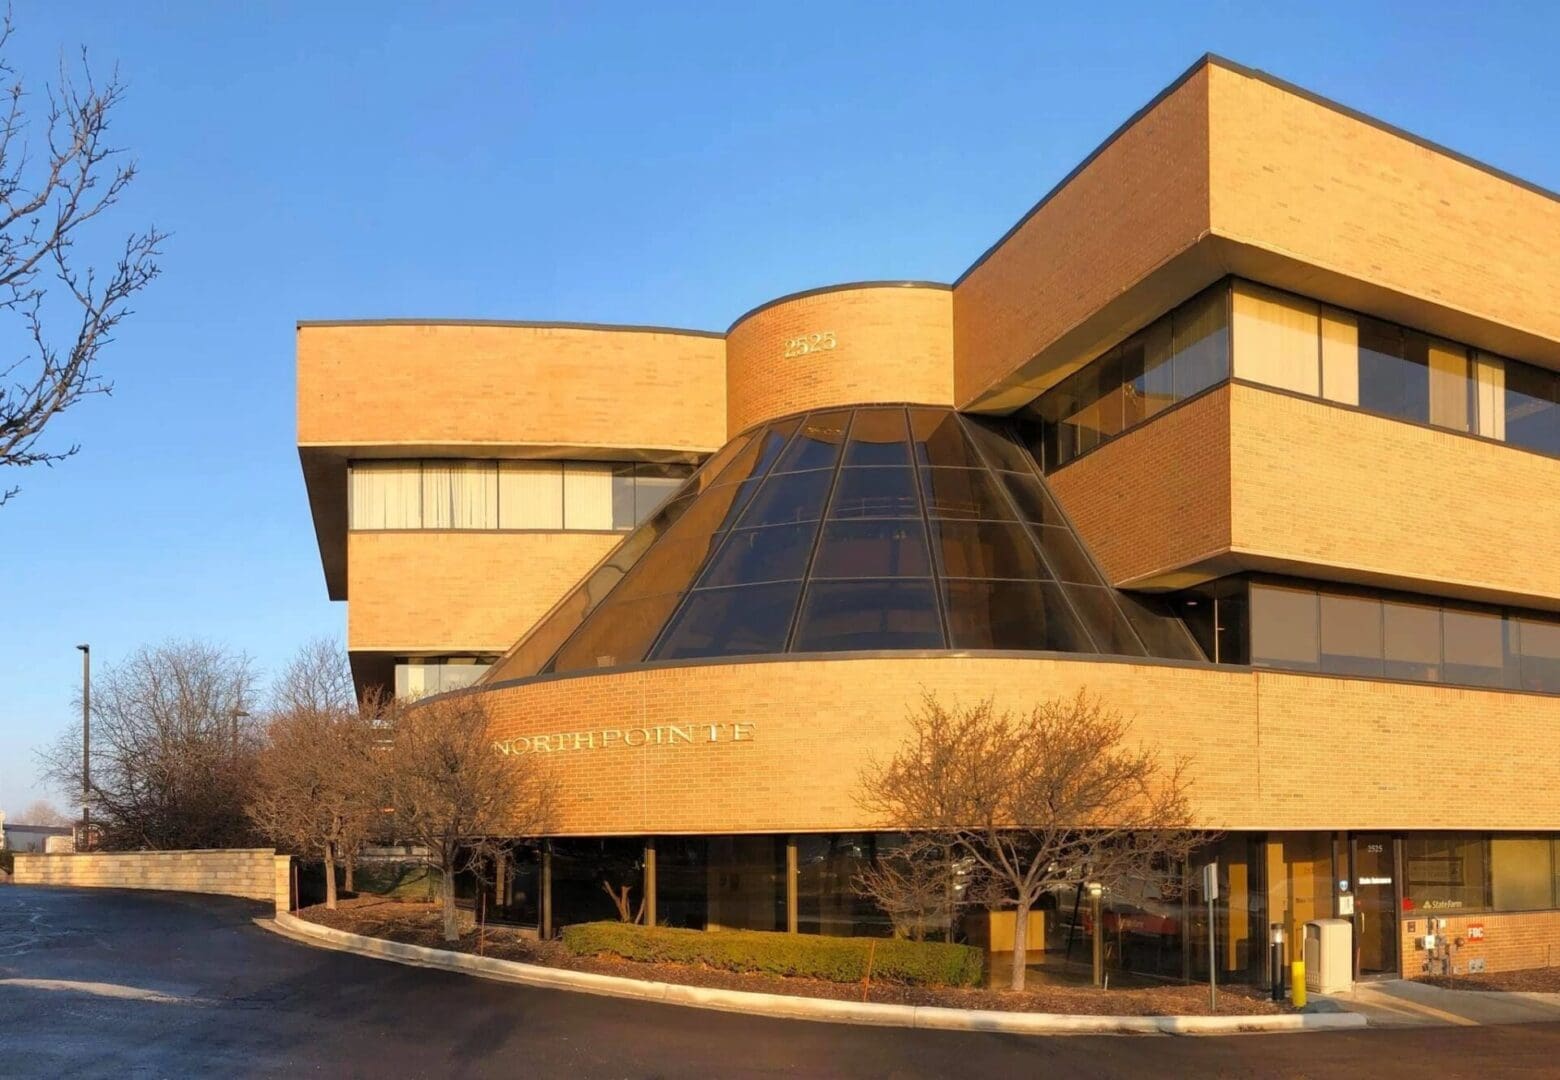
(420,924)
(1527,981)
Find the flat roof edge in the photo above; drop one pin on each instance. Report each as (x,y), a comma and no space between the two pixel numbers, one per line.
(518,324)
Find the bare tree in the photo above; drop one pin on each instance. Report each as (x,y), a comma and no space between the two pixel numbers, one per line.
(173,749)
(58,172)
(42,812)
(919,884)
(314,790)
(1055,797)
(452,792)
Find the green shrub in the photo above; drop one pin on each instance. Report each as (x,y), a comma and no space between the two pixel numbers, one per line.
(926,963)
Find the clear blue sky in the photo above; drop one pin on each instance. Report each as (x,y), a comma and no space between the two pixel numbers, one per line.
(641,163)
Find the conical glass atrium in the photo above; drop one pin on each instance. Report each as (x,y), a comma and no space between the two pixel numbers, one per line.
(871,529)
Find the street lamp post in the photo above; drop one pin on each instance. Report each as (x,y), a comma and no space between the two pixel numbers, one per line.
(86,745)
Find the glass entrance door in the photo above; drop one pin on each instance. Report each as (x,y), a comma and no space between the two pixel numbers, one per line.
(1375,903)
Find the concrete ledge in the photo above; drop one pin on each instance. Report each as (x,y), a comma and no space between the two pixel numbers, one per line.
(826,1010)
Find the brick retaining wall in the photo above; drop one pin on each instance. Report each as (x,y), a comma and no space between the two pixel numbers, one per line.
(251,873)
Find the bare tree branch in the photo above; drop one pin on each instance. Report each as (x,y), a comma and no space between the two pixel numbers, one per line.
(48,193)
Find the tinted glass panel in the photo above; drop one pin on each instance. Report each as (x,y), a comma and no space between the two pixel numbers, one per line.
(862,493)
(817,444)
(1351,635)
(771,443)
(985,549)
(749,556)
(1473,647)
(1532,407)
(789,497)
(1034,504)
(878,548)
(964,493)
(853,615)
(1521,875)
(996,446)
(1202,343)
(1065,556)
(619,634)
(710,472)
(940,439)
(1411,635)
(1394,371)
(747,621)
(1162,633)
(1541,656)
(1444,872)
(878,437)
(1029,615)
(670,566)
(1146,373)
(1104,621)
(1284,628)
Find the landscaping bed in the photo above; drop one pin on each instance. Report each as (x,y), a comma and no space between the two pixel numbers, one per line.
(420,924)
(1525,981)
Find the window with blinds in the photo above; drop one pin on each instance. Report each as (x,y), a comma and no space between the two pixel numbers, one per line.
(585,496)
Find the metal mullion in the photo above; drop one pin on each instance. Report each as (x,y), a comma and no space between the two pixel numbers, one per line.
(933,559)
(823,520)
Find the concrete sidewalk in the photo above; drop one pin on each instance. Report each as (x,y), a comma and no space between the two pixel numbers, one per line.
(1404,1003)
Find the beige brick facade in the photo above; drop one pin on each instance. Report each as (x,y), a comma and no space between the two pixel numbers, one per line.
(249,873)
(851,345)
(1512,941)
(434,591)
(1265,747)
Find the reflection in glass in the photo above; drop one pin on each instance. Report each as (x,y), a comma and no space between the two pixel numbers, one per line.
(1034,504)
(940,439)
(750,556)
(750,620)
(1065,556)
(817,443)
(618,634)
(876,548)
(1541,656)
(787,497)
(878,437)
(985,549)
(1351,640)
(996,445)
(1028,615)
(1411,639)
(1284,629)
(1474,647)
(971,494)
(1110,631)
(864,493)
(853,615)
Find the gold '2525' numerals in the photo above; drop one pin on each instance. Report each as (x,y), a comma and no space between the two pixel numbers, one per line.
(809,343)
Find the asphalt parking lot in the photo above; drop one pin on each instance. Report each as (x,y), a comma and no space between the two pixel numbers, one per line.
(110,983)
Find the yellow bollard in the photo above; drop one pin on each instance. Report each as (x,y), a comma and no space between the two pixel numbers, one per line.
(1297,983)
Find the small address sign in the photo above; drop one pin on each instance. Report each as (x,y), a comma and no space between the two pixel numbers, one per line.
(809,343)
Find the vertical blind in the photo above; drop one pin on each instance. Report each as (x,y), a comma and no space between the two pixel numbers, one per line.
(545,495)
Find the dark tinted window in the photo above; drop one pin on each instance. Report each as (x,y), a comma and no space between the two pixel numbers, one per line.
(878,437)
(940,440)
(855,615)
(817,443)
(772,442)
(1028,615)
(996,445)
(1162,633)
(1284,631)
(747,621)
(862,493)
(1351,635)
(1474,648)
(619,633)
(964,493)
(876,548)
(788,497)
(1064,555)
(985,549)
(1201,331)
(1032,501)
(1541,656)
(1394,371)
(1411,641)
(749,556)
(1532,407)
(1103,620)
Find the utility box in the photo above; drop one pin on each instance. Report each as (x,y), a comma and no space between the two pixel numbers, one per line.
(1329,956)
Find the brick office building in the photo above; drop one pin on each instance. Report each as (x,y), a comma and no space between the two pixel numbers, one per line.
(1251,427)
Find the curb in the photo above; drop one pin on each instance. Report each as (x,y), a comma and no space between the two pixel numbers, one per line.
(826,1010)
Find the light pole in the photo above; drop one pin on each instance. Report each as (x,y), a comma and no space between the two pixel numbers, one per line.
(1096,890)
(86,745)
